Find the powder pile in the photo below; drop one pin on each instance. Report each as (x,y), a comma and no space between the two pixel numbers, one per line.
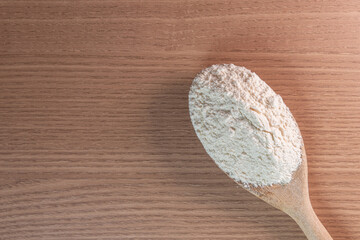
(244,126)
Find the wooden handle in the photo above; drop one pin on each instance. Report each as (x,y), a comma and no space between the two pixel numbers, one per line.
(308,221)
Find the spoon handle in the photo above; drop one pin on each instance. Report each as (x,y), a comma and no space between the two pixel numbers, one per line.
(308,221)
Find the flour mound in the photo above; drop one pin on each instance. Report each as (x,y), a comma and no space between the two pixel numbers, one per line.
(245,126)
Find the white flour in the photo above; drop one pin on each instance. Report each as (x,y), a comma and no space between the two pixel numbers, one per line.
(244,126)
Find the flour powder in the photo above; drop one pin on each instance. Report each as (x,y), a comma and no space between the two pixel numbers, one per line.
(244,126)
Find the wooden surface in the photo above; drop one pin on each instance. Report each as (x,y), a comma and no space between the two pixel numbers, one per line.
(95,136)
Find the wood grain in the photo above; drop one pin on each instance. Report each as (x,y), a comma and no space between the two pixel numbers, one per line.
(95,136)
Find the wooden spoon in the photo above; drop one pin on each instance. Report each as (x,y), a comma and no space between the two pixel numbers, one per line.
(293,199)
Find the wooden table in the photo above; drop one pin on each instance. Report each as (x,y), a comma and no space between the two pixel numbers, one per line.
(95,136)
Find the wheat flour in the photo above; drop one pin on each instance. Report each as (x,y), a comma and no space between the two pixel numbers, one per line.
(244,126)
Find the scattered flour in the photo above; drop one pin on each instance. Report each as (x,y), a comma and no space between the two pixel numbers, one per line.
(244,126)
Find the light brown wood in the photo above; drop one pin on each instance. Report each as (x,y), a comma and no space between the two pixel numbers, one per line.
(96,140)
(293,199)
